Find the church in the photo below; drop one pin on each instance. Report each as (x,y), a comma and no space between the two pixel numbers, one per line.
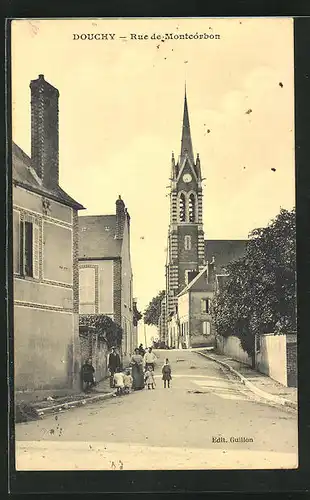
(195,266)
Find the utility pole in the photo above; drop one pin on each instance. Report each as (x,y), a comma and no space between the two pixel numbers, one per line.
(144,335)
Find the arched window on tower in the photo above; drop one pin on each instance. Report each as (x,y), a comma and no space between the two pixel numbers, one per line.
(182,208)
(192,208)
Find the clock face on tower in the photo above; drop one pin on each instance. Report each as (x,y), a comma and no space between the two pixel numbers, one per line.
(187,177)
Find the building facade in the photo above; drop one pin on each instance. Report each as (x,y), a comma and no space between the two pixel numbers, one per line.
(45,257)
(106,278)
(193,313)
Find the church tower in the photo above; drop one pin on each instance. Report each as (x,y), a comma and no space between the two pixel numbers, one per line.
(185,253)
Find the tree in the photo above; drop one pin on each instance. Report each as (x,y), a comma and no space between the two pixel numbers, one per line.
(106,328)
(259,295)
(136,315)
(153,310)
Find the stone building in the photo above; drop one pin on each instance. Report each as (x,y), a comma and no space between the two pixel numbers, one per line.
(188,251)
(45,256)
(106,279)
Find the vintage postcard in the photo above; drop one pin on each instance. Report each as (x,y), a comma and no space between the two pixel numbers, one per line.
(154,273)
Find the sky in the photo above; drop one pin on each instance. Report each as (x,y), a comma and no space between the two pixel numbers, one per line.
(120,117)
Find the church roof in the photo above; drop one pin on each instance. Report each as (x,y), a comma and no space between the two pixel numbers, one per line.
(186,141)
(25,176)
(224,251)
(97,237)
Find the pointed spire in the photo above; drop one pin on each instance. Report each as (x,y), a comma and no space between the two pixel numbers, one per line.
(186,142)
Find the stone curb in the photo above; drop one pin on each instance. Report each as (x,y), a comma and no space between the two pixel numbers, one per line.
(252,387)
(73,404)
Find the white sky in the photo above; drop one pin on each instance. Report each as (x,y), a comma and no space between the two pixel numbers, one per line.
(120,111)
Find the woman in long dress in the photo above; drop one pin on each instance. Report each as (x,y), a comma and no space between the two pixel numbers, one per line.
(137,371)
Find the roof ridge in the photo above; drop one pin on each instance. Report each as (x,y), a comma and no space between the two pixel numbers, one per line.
(99,215)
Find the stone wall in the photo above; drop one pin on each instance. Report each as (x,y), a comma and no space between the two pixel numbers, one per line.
(291,360)
(231,346)
(97,350)
(271,357)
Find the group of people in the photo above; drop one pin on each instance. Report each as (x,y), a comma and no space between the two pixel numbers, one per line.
(143,365)
(141,375)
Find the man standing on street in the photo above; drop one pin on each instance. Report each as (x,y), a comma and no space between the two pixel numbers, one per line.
(149,359)
(114,364)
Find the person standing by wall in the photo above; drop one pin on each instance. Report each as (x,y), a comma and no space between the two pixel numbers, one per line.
(114,363)
(88,375)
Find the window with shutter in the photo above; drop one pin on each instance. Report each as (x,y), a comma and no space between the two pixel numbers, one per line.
(16,242)
(35,250)
(28,248)
(87,285)
(205,306)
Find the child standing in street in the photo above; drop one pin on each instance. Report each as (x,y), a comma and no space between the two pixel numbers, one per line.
(127,382)
(166,371)
(118,382)
(149,378)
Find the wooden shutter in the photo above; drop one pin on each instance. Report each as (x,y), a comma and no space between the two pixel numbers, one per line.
(16,242)
(35,250)
(208,328)
(28,252)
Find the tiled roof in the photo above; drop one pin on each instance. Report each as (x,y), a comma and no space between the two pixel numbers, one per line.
(97,237)
(224,251)
(24,175)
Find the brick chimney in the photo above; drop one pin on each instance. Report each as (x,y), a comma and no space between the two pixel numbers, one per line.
(44,131)
(120,217)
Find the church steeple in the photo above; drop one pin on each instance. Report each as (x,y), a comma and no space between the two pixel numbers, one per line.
(186,247)
(186,141)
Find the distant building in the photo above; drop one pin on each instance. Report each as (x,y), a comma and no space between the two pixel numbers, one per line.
(45,257)
(194,311)
(188,251)
(106,279)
